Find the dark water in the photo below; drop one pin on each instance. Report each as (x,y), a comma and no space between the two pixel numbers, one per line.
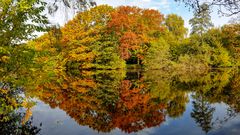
(132,102)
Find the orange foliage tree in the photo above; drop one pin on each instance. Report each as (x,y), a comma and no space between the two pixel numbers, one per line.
(135,28)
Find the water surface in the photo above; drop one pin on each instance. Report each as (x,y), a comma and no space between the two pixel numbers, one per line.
(130,102)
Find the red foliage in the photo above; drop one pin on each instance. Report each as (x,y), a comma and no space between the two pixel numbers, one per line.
(134,27)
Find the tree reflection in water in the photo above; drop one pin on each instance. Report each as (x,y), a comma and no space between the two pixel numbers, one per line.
(14,122)
(105,100)
(202,112)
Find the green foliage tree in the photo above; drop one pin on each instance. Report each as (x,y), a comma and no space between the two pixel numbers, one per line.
(175,35)
(230,39)
(157,56)
(201,21)
(107,56)
(19,22)
(19,19)
(218,54)
(175,24)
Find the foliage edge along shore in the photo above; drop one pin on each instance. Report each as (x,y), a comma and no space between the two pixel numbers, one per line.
(108,38)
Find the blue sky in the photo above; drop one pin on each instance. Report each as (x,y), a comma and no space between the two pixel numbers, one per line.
(166,7)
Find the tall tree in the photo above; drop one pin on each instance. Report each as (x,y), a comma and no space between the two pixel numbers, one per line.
(201,21)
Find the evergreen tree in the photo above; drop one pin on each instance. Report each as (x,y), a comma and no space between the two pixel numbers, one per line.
(201,21)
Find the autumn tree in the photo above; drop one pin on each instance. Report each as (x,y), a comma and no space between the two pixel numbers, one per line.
(107,38)
(135,28)
(90,46)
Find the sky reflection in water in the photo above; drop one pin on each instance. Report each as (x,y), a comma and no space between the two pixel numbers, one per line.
(135,102)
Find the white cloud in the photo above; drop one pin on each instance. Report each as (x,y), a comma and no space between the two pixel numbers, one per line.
(146,0)
(155,8)
(165,4)
(159,4)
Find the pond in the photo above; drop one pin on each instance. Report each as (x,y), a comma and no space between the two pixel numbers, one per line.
(125,102)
